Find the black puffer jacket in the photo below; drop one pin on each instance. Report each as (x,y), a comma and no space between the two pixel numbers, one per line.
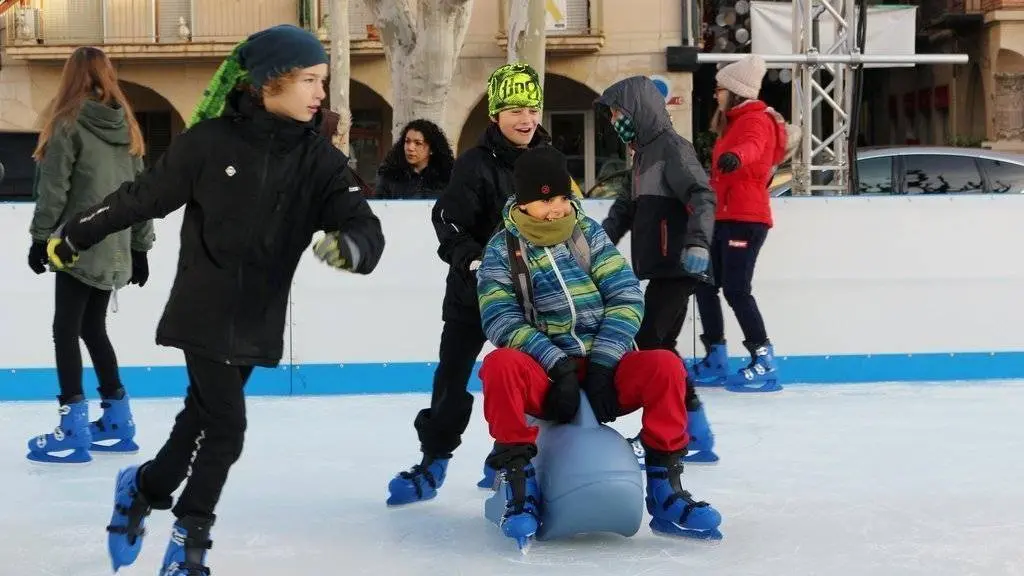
(401,182)
(468,213)
(255,188)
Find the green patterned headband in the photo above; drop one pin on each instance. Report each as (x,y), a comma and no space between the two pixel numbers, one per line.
(228,75)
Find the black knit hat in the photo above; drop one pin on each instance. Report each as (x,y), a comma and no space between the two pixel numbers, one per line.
(541,173)
(278,50)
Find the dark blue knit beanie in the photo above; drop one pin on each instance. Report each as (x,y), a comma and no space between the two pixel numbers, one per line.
(277,50)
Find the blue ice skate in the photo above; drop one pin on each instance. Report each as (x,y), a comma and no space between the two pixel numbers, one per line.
(673,510)
(700,450)
(713,369)
(419,483)
(115,424)
(487,482)
(186,551)
(71,434)
(522,503)
(760,375)
(127,522)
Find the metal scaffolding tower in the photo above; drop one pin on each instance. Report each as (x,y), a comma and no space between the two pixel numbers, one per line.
(833,152)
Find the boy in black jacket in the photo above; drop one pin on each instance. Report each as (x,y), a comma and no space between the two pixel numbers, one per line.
(671,214)
(256,181)
(465,217)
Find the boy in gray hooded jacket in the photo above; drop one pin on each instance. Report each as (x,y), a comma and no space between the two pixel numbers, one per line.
(671,215)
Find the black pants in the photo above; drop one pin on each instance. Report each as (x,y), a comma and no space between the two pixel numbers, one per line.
(80,311)
(441,426)
(206,439)
(734,251)
(666,301)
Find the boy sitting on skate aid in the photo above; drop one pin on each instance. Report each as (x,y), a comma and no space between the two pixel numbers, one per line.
(562,305)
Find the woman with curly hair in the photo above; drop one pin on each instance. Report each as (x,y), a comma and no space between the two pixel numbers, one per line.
(418,165)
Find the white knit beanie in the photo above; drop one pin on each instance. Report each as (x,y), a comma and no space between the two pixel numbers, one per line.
(743,78)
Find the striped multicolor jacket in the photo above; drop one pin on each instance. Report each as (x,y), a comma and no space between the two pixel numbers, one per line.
(593,313)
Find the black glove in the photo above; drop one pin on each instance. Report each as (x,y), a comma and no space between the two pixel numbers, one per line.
(600,388)
(728,162)
(37,258)
(61,252)
(140,268)
(563,399)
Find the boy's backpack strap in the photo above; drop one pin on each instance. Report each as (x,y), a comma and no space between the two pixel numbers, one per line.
(521,281)
(580,248)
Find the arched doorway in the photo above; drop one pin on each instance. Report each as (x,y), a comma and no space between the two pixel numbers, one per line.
(157,118)
(370,138)
(589,142)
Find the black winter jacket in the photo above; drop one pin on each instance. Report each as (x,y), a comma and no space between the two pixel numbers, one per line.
(468,213)
(401,182)
(255,188)
(674,204)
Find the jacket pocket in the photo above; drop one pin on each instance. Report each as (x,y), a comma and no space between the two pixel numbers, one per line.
(664,237)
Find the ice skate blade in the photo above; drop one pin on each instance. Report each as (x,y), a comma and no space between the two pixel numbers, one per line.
(392,503)
(706,457)
(79,456)
(670,530)
(124,446)
(767,387)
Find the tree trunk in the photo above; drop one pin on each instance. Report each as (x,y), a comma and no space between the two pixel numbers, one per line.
(422,50)
(340,71)
(527,34)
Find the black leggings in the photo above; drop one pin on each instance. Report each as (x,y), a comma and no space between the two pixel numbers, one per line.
(80,311)
(205,442)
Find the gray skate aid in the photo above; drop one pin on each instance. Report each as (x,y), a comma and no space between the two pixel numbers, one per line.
(589,478)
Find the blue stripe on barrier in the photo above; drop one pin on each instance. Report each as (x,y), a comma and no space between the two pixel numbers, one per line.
(412,377)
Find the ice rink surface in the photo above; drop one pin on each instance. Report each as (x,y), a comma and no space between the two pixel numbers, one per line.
(875,479)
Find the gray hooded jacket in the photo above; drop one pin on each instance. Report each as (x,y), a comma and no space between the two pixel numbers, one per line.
(673,206)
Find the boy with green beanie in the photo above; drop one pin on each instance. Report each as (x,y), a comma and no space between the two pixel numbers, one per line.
(465,217)
(257,180)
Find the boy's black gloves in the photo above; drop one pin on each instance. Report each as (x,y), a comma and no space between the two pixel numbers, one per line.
(37,258)
(563,399)
(140,268)
(600,388)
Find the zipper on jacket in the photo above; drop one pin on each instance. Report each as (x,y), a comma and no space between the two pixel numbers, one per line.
(664,237)
(568,297)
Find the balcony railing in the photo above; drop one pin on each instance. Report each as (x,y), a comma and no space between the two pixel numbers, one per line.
(152,25)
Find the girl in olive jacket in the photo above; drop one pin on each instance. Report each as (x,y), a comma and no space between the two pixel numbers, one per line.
(89,144)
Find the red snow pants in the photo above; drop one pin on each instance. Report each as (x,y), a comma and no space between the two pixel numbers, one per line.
(515,385)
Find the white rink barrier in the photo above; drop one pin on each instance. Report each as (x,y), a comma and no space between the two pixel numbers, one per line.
(855,289)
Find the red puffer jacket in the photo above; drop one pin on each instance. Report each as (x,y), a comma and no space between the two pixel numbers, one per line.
(757,134)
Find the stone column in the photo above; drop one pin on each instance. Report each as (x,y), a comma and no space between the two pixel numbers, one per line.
(1009,110)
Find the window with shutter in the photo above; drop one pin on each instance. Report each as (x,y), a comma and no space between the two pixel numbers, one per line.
(73,22)
(359,16)
(169,19)
(577,18)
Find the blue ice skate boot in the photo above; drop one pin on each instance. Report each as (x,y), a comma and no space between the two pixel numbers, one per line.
(128,520)
(522,502)
(700,450)
(760,375)
(419,483)
(487,482)
(71,434)
(713,369)
(673,510)
(115,424)
(186,551)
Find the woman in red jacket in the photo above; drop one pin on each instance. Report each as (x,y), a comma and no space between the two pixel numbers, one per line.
(752,140)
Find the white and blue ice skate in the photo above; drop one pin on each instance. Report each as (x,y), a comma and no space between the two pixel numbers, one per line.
(521,518)
(72,434)
(713,369)
(116,424)
(760,375)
